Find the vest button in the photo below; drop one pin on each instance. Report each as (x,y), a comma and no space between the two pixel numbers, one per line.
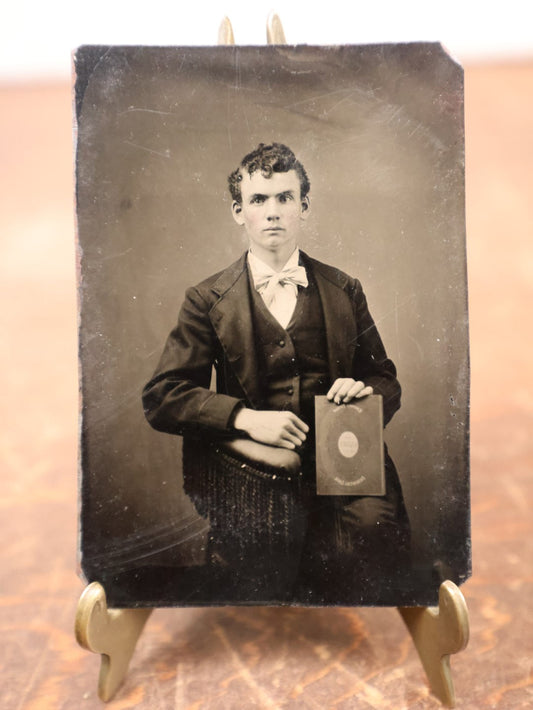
(290,390)
(281,343)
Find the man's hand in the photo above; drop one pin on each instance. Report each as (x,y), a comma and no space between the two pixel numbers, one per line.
(283,429)
(344,389)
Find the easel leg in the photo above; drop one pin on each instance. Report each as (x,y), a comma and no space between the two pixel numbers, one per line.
(110,632)
(438,632)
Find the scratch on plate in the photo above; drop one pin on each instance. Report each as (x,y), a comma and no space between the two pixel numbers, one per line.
(347,92)
(394,310)
(415,341)
(165,154)
(338,103)
(396,322)
(138,109)
(117,254)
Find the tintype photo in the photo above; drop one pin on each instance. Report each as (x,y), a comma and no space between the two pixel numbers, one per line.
(273,324)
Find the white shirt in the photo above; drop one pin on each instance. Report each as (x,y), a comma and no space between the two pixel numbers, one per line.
(278,289)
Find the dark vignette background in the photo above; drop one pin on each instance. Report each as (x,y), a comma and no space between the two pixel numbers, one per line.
(380,132)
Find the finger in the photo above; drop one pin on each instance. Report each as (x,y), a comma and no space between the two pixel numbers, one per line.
(283,444)
(340,397)
(294,431)
(353,391)
(299,423)
(347,387)
(365,392)
(335,387)
(290,439)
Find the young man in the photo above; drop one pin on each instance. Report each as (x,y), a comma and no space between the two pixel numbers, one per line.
(279,328)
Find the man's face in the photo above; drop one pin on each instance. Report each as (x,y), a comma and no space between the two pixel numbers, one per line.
(271,211)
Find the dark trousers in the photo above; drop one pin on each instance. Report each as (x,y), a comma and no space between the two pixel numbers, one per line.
(353,544)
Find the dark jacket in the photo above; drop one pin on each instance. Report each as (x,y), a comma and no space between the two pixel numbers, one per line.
(215,329)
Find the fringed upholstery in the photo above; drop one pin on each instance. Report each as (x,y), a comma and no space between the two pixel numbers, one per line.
(250,507)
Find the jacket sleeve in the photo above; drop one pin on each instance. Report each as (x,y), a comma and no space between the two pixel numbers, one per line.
(177,400)
(371,364)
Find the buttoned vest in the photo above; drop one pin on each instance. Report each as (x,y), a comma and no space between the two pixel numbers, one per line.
(293,362)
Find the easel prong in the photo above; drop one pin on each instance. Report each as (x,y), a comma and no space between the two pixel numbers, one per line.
(225,32)
(113,633)
(437,632)
(275,33)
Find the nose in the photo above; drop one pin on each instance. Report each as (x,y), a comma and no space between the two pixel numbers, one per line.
(272,211)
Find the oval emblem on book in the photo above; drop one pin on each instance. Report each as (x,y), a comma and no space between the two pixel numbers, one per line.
(348,444)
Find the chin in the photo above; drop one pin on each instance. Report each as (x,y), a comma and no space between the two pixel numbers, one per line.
(274,242)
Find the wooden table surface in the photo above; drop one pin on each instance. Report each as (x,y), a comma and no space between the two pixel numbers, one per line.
(260,658)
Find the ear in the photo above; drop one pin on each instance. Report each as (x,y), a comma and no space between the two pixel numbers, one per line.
(236,211)
(306,205)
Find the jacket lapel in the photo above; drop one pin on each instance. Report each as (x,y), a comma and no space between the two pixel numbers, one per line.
(339,318)
(231,317)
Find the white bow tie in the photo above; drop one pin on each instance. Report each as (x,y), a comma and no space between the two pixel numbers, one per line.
(267,282)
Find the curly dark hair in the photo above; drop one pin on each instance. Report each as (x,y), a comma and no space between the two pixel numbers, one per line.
(268,159)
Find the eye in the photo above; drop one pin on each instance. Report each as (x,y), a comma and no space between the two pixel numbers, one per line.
(257,200)
(285,197)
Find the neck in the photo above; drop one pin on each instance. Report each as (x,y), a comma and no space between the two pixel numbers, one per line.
(275,259)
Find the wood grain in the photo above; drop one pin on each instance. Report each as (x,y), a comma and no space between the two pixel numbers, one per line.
(263,658)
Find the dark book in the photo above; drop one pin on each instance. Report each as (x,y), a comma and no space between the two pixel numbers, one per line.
(349,447)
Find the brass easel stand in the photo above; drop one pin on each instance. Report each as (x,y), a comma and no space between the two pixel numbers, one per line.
(437,632)
(111,632)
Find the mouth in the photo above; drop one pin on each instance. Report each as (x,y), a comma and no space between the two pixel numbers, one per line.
(273,229)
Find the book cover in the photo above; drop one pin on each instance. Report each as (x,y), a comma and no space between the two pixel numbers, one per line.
(349,447)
